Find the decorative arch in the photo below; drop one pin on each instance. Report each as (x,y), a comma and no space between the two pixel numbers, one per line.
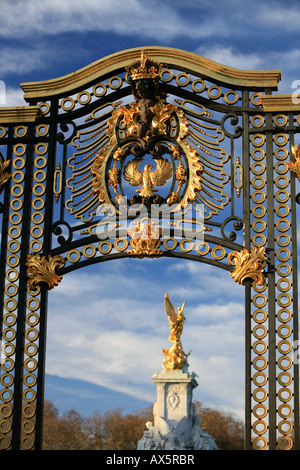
(212,152)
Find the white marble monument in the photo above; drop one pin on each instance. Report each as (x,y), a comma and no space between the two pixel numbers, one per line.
(176,426)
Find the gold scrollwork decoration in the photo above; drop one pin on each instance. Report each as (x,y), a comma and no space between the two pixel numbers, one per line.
(248,265)
(295,165)
(40,269)
(4,175)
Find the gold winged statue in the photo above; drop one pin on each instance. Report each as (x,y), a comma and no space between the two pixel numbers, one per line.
(148,178)
(175,357)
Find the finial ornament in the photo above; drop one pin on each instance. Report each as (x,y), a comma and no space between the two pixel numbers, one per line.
(175,357)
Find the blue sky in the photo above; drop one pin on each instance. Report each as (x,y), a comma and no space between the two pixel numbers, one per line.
(106,323)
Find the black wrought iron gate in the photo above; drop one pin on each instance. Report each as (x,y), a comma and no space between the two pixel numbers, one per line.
(226,149)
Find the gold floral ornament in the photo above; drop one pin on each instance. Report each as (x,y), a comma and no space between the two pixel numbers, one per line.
(4,175)
(40,269)
(248,265)
(175,357)
(295,166)
(145,239)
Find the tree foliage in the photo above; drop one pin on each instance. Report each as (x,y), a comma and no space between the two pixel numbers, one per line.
(226,429)
(114,430)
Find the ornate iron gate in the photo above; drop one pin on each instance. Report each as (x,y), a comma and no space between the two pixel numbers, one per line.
(219,150)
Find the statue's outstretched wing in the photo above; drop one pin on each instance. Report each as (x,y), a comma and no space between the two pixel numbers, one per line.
(204,136)
(170,310)
(132,174)
(162,173)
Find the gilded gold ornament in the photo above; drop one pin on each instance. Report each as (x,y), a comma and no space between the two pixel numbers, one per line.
(295,165)
(40,269)
(248,265)
(145,239)
(57,182)
(4,175)
(175,357)
(238,168)
(148,178)
(144,69)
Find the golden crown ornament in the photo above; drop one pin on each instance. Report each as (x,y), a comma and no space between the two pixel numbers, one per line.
(144,68)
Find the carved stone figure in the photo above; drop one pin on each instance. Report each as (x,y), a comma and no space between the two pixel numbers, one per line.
(147,441)
(201,440)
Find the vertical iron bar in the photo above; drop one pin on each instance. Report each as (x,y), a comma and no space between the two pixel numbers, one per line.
(63,190)
(17,408)
(5,216)
(295,293)
(247,235)
(41,370)
(232,174)
(271,283)
(44,293)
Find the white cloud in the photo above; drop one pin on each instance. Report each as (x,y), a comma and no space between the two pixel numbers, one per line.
(12,97)
(114,338)
(232,57)
(280,16)
(286,61)
(157,20)
(20,60)
(49,18)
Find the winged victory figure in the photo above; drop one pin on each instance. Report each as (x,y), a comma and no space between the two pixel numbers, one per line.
(175,357)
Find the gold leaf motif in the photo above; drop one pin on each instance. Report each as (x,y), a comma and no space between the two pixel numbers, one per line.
(248,265)
(41,269)
(4,176)
(295,166)
(162,112)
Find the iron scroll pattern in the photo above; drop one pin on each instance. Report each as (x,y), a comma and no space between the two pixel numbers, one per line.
(243,208)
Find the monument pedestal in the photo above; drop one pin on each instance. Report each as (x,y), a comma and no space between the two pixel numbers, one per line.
(176,427)
(174,408)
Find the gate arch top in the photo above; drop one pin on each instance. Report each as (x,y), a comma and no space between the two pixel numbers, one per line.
(176,58)
(230,145)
